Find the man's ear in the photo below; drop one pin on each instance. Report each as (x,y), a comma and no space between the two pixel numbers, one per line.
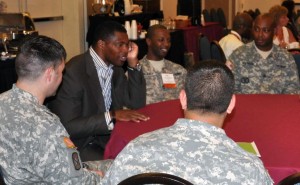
(48,74)
(100,44)
(148,41)
(231,104)
(183,100)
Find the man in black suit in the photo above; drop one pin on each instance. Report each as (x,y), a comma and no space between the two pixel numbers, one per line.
(95,90)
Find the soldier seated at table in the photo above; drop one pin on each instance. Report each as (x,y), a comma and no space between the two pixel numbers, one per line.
(164,79)
(261,67)
(196,147)
(35,147)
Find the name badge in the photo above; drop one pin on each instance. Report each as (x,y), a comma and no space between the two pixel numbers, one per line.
(168,80)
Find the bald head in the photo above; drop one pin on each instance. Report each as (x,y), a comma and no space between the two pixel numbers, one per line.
(242,19)
(268,17)
(152,30)
(242,24)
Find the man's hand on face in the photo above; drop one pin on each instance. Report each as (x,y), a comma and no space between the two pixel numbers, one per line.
(132,55)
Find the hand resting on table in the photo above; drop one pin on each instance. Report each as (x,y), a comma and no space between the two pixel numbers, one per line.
(130,115)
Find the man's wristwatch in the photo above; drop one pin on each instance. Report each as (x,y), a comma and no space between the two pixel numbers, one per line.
(138,67)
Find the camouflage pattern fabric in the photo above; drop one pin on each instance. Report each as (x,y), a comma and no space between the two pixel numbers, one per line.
(34,146)
(198,152)
(155,92)
(102,165)
(277,74)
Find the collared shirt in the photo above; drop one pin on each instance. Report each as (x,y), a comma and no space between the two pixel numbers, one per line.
(105,76)
(230,42)
(33,144)
(275,74)
(196,151)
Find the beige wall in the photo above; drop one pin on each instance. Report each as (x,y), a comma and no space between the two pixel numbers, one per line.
(263,6)
(169,8)
(74,26)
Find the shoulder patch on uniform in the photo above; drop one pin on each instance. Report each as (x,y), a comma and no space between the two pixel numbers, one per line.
(69,143)
(76,161)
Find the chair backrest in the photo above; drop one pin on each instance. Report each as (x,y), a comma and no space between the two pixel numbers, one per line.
(296,55)
(204,47)
(222,17)
(29,24)
(155,178)
(1,178)
(214,15)
(290,180)
(206,15)
(217,52)
(257,12)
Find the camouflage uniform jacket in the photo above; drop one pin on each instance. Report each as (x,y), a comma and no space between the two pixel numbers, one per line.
(277,74)
(32,147)
(198,152)
(155,92)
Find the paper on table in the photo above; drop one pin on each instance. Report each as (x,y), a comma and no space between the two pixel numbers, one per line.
(249,147)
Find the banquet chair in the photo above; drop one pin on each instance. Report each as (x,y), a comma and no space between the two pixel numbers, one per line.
(221,17)
(214,15)
(154,178)
(217,52)
(251,13)
(296,55)
(29,24)
(204,47)
(206,15)
(291,179)
(1,178)
(257,12)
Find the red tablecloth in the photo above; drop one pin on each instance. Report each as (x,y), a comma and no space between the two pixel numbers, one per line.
(213,30)
(271,121)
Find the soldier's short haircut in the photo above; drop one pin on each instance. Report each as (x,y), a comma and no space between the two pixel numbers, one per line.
(107,30)
(209,87)
(242,19)
(36,54)
(151,30)
(266,16)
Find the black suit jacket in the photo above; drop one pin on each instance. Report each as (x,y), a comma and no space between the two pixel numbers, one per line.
(80,105)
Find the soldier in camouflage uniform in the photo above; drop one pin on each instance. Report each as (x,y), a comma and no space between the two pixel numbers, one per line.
(196,147)
(154,65)
(260,67)
(34,146)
